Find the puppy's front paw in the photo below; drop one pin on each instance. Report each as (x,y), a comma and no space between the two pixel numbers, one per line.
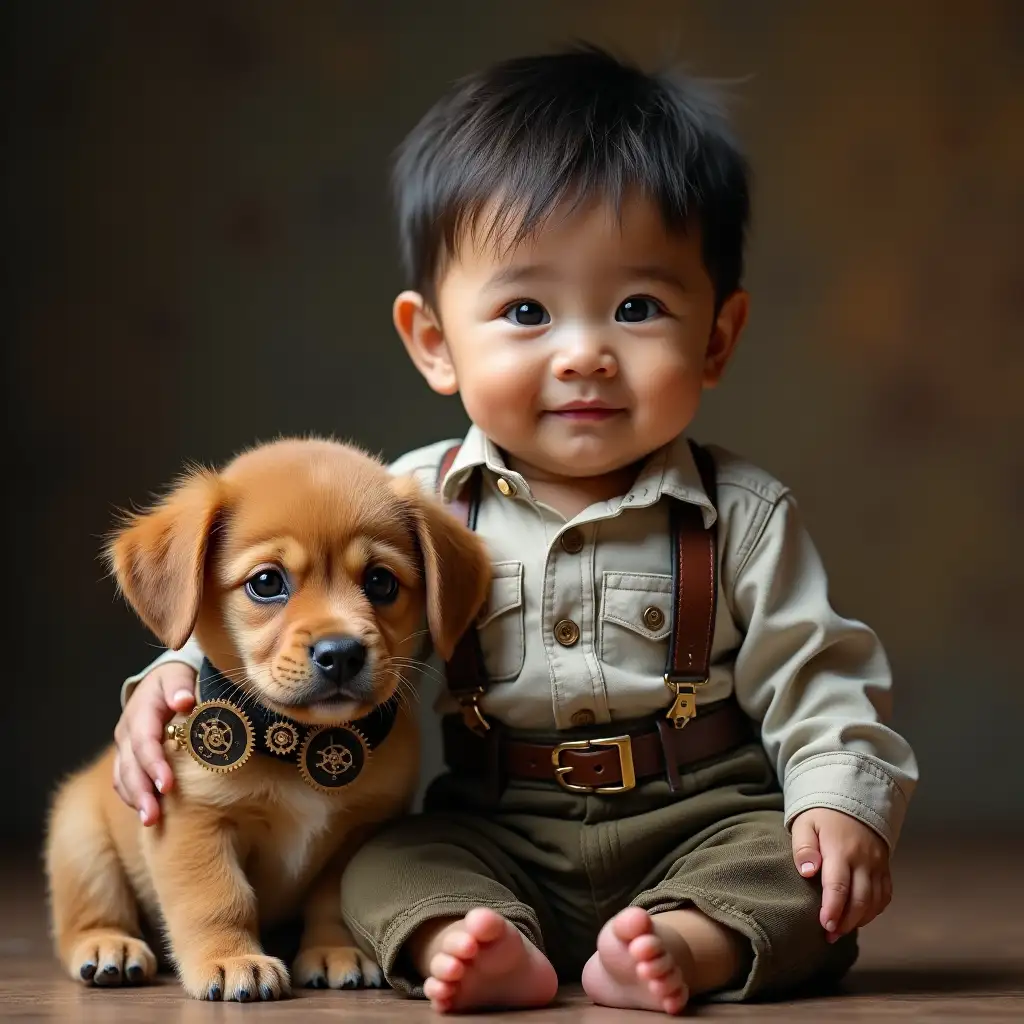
(243,979)
(110,958)
(335,967)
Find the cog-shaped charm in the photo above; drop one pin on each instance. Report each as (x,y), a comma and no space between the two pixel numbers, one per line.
(281,738)
(219,736)
(332,756)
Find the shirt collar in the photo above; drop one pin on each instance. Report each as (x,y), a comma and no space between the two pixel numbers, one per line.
(477,450)
(670,471)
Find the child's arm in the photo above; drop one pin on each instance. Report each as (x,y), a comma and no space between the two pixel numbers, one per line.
(149,701)
(820,685)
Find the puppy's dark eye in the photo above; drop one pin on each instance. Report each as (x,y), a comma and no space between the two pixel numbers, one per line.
(267,585)
(380,586)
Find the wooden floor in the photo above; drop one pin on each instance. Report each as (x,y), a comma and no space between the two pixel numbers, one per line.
(950,948)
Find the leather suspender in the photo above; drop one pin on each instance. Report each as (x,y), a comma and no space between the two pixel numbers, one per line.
(694,599)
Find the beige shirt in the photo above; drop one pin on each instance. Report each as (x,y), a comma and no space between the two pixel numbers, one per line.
(818,684)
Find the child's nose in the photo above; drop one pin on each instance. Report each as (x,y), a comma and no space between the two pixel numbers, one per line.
(585,356)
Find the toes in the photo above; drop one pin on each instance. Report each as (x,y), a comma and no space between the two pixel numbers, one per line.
(107,976)
(337,967)
(112,959)
(373,976)
(438,991)
(647,947)
(447,968)
(658,968)
(243,979)
(485,925)
(631,923)
(667,986)
(460,944)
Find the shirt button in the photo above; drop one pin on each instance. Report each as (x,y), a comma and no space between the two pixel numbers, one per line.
(584,717)
(567,632)
(572,541)
(506,487)
(654,618)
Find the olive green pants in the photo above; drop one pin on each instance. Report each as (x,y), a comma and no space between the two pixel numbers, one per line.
(558,865)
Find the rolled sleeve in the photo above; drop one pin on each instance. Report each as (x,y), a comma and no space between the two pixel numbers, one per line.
(191,654)
(819,684)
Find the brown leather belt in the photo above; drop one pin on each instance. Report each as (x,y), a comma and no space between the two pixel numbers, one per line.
(612,763)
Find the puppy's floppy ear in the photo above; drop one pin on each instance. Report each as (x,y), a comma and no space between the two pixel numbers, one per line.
(455,564)
(158,557)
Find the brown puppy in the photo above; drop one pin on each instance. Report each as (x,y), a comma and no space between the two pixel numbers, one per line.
(304,570)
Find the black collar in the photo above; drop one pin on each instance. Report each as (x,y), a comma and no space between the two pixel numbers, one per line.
(278,735)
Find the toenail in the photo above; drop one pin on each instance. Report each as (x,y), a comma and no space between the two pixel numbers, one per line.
(87,971)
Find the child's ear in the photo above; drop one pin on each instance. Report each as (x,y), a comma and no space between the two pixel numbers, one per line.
(725,334)
(420,330)
(456,567)
(159,557)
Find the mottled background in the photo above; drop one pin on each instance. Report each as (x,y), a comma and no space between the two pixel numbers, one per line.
(198,253)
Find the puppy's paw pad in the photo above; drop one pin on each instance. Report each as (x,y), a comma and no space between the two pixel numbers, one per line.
(336,967)
(109,959)
(242,979)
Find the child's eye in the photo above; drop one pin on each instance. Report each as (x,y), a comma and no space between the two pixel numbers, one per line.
(527,314)
(636,309)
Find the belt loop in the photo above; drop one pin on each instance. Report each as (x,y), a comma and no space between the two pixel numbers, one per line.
(666,733)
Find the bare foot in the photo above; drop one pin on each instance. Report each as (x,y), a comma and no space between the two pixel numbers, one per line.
(638,967)
(486,962)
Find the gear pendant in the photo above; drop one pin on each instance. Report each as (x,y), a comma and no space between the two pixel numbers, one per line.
(332,756)
(281,738)
(219,736)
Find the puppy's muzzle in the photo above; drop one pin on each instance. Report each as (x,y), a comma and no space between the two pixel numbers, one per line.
(340,668)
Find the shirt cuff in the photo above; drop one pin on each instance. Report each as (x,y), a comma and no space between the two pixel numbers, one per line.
(855,784)
(191,654)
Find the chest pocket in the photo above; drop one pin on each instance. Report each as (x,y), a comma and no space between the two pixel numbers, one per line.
(636,622)
(500,623)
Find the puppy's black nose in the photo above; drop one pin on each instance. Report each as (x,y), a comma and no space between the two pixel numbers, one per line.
(339,658)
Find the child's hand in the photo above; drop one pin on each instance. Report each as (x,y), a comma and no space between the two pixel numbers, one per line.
(854,864)
(139,735)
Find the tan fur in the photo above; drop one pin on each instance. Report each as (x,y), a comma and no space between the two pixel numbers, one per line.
(240,850)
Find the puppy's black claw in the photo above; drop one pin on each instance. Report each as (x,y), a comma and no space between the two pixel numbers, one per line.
(111,969)
(135,974)
(266,992)
(244,995)
(215,993)
(87,971)
(352,981)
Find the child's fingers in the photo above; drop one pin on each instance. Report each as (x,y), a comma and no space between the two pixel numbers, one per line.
(136,789)
(835,891)
(177,686)
(149,754)
(859,906)
(806,852)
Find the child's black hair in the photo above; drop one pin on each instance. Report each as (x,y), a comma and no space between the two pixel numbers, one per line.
(532,132)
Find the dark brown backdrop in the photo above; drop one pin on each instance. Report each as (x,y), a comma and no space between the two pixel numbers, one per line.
(199,254)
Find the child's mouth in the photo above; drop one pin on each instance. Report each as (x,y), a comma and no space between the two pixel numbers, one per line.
(586,411)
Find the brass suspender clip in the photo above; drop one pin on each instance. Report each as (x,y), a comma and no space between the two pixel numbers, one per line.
(684,707)
(472,716)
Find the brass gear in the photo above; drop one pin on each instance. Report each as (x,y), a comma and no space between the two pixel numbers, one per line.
(221,732)
(311,738)
(281,738)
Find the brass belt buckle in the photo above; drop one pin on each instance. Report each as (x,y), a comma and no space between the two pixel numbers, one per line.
(684,707)
(625,748)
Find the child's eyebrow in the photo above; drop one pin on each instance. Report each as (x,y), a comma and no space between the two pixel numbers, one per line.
(522,274)
(653,272)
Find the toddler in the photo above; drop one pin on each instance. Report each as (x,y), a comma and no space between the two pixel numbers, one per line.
(668,770)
